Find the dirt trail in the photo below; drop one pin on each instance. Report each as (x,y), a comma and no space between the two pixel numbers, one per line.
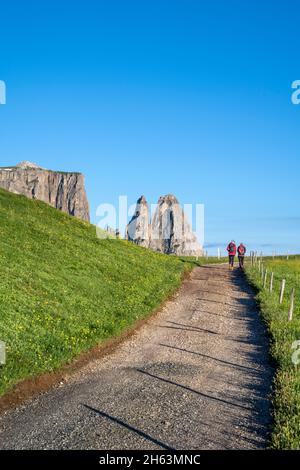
(195,377)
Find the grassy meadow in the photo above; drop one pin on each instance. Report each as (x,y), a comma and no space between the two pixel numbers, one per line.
(283,334)
(64,291)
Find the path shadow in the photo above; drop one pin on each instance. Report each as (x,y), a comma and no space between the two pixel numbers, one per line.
(222,294)
(189,389)
(192,329)
(218,302)
(128,427)
(251,369)
(230,317)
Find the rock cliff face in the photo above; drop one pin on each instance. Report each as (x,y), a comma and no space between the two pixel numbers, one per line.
(64,191)
(138,229)
(169,232)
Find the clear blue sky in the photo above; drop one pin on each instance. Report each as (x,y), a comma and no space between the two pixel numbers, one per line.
(156,97)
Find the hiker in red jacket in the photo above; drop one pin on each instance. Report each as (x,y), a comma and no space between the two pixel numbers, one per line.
(241,254)
(231,248)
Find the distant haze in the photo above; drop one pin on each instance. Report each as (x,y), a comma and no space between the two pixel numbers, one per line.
(269,235)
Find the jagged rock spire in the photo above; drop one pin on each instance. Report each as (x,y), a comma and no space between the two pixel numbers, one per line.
(138,229)
(169,232)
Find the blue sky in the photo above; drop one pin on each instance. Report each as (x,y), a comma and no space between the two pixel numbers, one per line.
(156,97)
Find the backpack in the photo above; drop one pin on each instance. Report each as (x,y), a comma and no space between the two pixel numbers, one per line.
(241,250)
(231,247)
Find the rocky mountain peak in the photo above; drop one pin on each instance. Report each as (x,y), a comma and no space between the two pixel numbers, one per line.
(142,200)
(26,164)
(168,199)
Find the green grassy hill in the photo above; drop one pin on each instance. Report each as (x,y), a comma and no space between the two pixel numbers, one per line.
(286,432)
(63,291)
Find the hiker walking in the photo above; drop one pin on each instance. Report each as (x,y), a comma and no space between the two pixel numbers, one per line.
(241,254)
(231,248)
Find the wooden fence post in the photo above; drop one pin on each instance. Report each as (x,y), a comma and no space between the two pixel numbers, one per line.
(291,310)
(282,291)
(271,282)
(265,278)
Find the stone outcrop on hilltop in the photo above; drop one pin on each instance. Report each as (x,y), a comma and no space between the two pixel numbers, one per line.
(64,191)
(138,229)
(169,232)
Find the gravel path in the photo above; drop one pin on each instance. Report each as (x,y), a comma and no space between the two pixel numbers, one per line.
(196,376)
